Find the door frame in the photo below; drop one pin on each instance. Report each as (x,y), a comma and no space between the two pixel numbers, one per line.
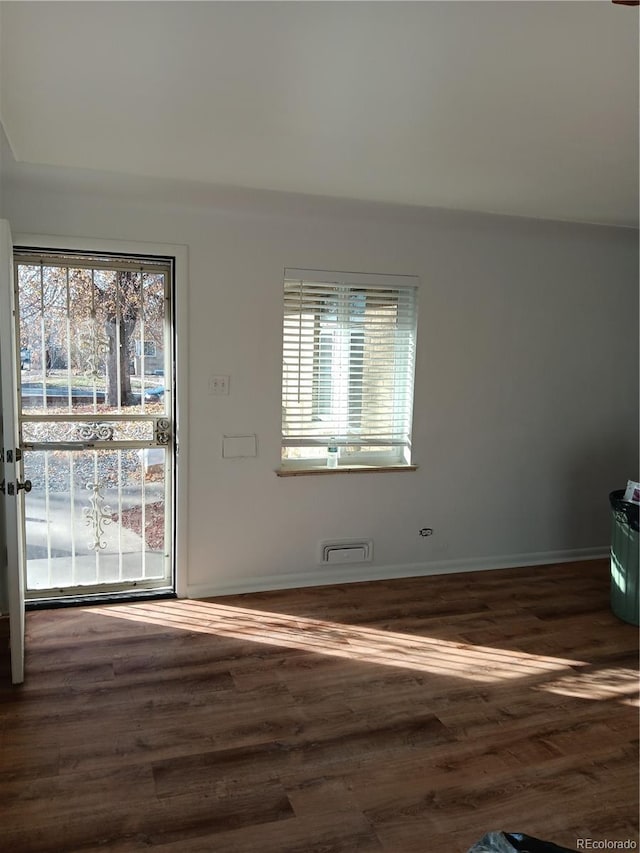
(13,501)
(179,256)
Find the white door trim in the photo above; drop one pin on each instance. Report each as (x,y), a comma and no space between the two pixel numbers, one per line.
(180,319)
(11,470)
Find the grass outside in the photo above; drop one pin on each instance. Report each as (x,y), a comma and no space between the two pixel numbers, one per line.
(60,379)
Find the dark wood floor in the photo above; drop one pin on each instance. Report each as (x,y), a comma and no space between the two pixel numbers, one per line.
(401,716)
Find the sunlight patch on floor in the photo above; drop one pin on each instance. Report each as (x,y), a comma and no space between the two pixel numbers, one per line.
(354,642)
(607,683)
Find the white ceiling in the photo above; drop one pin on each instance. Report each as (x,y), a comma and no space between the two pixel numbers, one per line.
(526,108)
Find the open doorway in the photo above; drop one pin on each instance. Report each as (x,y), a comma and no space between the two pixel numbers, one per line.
(95,336)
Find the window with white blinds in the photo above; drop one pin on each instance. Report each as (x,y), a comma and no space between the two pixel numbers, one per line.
(347,368)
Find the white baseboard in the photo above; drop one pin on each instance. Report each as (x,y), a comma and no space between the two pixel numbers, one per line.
(325,575)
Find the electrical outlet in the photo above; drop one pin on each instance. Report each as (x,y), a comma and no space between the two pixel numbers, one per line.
(219,385)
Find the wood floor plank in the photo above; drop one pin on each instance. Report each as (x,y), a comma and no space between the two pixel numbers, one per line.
(380,717)
(182,818)
(344,833)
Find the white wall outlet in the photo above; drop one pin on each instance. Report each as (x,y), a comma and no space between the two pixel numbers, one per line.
(219,384)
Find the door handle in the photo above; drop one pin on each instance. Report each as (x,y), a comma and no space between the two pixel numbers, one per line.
(12,490)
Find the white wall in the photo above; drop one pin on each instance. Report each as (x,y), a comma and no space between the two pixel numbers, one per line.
(526,404)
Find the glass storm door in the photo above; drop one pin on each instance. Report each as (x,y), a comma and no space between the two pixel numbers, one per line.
(95,401)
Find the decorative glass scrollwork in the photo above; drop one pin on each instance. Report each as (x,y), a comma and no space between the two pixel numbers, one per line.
(85,431)
(95,432)
(97,516)
(163,431)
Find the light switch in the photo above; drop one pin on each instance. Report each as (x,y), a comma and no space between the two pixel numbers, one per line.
(219,384)
(239,446)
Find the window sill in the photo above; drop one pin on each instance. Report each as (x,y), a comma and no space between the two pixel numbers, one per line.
(345,469)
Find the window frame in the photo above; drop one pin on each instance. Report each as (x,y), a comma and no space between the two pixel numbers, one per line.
(388,454)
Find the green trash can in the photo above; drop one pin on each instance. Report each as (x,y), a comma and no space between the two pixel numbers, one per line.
(625,601)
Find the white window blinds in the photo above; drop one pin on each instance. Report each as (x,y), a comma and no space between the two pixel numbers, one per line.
(348,362)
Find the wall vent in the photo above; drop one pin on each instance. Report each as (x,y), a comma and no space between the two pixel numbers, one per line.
(346,551)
